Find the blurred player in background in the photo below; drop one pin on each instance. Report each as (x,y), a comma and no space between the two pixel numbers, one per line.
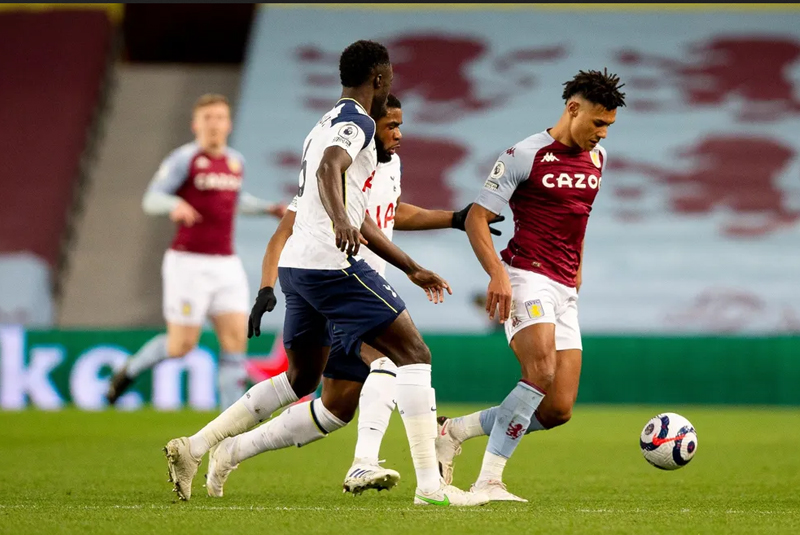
(550,181)
(362,377)
(324,280)
(198,185)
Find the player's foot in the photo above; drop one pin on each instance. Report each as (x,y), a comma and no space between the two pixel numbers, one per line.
(448,495)
(447,447)
(181,465)
(119,384)
(365,475)
(220,466)
(496,491)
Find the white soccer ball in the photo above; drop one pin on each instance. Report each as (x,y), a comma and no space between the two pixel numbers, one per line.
(668,441)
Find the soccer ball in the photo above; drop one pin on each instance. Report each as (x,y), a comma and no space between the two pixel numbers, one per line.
(668,441)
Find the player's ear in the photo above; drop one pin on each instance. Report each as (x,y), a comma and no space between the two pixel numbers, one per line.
(573,107)
(377,82)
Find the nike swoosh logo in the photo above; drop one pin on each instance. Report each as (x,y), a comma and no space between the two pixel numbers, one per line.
(659,441)
(431,501)
(444,429)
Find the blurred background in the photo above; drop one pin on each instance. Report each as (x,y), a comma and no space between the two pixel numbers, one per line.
(691,289)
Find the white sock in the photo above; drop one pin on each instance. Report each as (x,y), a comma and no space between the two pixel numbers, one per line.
(466,427)
(254,407)
(298,425)
(416,401)
(492,468)
(375,406)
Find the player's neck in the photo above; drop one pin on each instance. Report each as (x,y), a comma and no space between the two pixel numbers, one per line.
(560,132)
(213,150)
(362,95)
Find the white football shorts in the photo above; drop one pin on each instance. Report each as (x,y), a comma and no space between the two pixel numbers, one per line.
(539,299)
(201,285)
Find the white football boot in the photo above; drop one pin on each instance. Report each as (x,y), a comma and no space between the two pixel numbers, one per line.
(365,474)
(181,465)
(447,447)
(448,495)
(496,491)
(220,466)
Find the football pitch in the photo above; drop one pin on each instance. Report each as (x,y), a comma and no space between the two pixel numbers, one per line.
(104,473)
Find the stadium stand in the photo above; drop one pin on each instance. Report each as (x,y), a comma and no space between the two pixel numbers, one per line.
(51,95)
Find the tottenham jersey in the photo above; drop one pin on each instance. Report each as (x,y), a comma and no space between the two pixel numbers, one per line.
(313,243)
(384,193)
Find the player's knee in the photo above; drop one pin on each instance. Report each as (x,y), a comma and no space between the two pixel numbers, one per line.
(342,407)
(303,383)
(415,351)
(180,347)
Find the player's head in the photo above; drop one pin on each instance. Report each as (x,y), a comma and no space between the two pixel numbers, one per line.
(592,99)
(387,130)
(211,120)
(366,65)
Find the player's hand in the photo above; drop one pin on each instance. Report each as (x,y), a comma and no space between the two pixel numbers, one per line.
(265,302)
(276,210)
(460,220)
(498,297)
(348,238)
(185,214)
(432,283)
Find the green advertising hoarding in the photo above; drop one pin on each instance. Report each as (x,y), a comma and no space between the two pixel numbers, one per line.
(50,369)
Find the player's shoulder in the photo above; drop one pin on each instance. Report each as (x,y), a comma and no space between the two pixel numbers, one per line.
(350,111)
(532,144)
(187,152)
(235,155)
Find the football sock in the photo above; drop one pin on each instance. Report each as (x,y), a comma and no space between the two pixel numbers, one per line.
(298,425)
(254,407)
(232,378)
(416,402)
(150,354)
(375,406)
(487,418)
(511,420)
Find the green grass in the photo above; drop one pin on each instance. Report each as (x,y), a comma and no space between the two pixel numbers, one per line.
(104,473)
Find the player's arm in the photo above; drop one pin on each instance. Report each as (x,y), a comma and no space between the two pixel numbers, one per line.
(251,205)
(579,276)
(497,191)
(266,300)
(429,281)
(353,136)
(160,198)
(410,217)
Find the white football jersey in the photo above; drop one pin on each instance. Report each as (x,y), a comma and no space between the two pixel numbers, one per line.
(382,205)
(313,243)
(385,192)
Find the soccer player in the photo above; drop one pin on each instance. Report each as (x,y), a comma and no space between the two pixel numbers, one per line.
(324,280)
(362,377)
(198,186)
(550,181)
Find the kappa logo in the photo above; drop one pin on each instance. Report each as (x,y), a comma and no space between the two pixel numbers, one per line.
(550,158)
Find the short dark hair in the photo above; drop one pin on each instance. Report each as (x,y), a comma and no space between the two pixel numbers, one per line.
(596,87)
(393,102)
(358,61)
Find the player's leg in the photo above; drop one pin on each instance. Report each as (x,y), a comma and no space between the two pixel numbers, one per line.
(300,424)
(307,341)
(185,301)
(416,401)
(231,330)
(376,404)
(347,364)
(229,309)
(554,410)
(531,334)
